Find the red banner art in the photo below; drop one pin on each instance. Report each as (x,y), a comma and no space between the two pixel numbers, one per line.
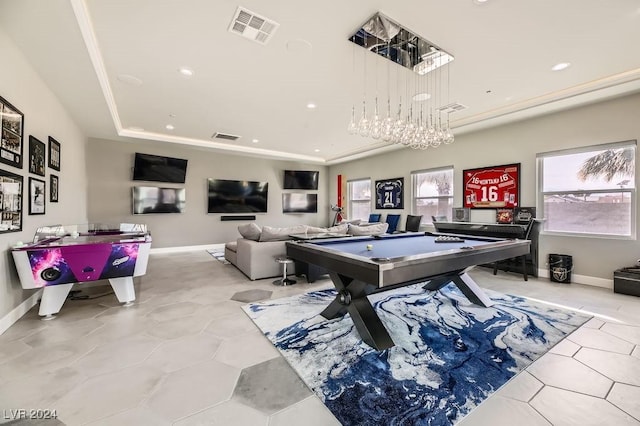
(492,187)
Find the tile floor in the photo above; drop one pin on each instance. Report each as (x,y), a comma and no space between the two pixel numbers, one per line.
(186,354)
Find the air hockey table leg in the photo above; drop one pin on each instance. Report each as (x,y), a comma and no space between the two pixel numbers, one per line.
(53,298)
(123,288)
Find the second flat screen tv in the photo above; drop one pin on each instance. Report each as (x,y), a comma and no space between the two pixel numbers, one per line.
(300,179)
(159,169)
(237,196)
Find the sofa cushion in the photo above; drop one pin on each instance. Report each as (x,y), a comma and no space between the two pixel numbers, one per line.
(338,229)
(270,233)
(377,229)
(250,231)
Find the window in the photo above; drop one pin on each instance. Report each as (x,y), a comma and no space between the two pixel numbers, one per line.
(359,199)
(432,193)
(589,191)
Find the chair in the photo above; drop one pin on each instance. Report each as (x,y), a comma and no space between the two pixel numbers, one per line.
(392,220)
(413,223)
(374,217)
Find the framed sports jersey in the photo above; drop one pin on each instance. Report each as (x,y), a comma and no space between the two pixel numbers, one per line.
(494,187)
(390,193)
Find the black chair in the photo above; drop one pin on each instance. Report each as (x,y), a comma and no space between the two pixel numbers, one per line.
(374,217)
(523,258)
(413,223)
(392,220)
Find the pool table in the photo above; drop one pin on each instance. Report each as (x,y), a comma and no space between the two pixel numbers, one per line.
(360,266)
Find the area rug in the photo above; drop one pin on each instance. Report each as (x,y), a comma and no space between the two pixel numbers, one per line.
(218,255)
(449,356)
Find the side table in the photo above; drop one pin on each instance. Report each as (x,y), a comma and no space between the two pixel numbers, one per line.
(284,261)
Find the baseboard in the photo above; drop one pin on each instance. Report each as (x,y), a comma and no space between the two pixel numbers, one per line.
(583,279)
(186,248)
(17,312)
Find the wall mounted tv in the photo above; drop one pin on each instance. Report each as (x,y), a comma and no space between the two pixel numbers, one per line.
(237,196)
(299,203)
(300,179)
(148,199)
(159,169)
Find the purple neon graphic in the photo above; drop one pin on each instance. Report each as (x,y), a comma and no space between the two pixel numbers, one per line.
(73,264)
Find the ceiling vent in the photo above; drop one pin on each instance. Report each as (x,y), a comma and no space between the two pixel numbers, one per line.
(252,26)
(451,108)
(225,136)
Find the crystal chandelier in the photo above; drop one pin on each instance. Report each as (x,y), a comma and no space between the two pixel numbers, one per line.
(421,122)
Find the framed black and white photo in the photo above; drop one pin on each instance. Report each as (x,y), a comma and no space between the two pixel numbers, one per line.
(36,156)
(53,188)
(36,196)
(390,193)
(12,125)
(10,202)
(54,154)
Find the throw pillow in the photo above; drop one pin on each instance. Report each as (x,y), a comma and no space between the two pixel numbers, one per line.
(377,229)
(270,233)
(250,231)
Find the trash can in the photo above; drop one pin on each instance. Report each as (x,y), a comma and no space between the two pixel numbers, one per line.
(560,266)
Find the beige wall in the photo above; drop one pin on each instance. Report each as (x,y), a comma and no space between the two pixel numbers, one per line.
(44,116)
(609,121)
(110,166)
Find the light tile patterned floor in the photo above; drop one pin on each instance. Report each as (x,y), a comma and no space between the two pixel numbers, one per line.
(186,354)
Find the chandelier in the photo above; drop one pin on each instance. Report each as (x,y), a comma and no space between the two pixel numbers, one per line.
(421,122)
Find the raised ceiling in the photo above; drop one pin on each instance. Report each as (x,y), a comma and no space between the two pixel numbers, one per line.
(115,65)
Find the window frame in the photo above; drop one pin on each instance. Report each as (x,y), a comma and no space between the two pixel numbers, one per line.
(351,200)
(414,191)
(540,157)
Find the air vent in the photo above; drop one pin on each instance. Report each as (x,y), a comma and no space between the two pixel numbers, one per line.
(252,26)
(451,108)
(225,136)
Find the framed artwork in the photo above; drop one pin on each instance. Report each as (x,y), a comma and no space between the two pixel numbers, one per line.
(460,214)
(10,202)
(389,193)
(54,154)
(504,215)
(36,156)
(495,187)
(53,188)
(12,128)
(36,196)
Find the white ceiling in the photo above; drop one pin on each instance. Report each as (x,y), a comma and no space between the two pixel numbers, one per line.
(87,51)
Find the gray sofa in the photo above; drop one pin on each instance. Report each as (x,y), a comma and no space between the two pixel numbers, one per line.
(254,254)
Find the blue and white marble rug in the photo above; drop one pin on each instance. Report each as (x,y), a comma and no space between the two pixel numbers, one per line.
(449,356)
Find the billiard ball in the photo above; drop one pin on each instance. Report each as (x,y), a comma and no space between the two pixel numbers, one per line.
(369,246)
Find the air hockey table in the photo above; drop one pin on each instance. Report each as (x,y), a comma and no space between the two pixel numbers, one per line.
(360,266)
(62,256)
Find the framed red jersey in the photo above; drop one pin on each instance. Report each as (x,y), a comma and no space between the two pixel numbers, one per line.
(494,187)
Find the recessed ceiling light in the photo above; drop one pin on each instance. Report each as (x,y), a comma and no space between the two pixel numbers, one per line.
(560,66)
(480,1)
(316,150)
(169,127)
(419,97)
(187,72)
(311,105)
(255,140)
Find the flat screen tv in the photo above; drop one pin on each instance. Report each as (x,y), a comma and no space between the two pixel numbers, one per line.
(237,196)
(159,169)
(301,179)
(151,199)
(299,203)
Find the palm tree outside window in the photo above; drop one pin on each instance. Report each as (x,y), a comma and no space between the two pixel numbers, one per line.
(589,191)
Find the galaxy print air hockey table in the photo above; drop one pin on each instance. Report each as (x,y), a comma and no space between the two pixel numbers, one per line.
(360,266)
(61,256)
